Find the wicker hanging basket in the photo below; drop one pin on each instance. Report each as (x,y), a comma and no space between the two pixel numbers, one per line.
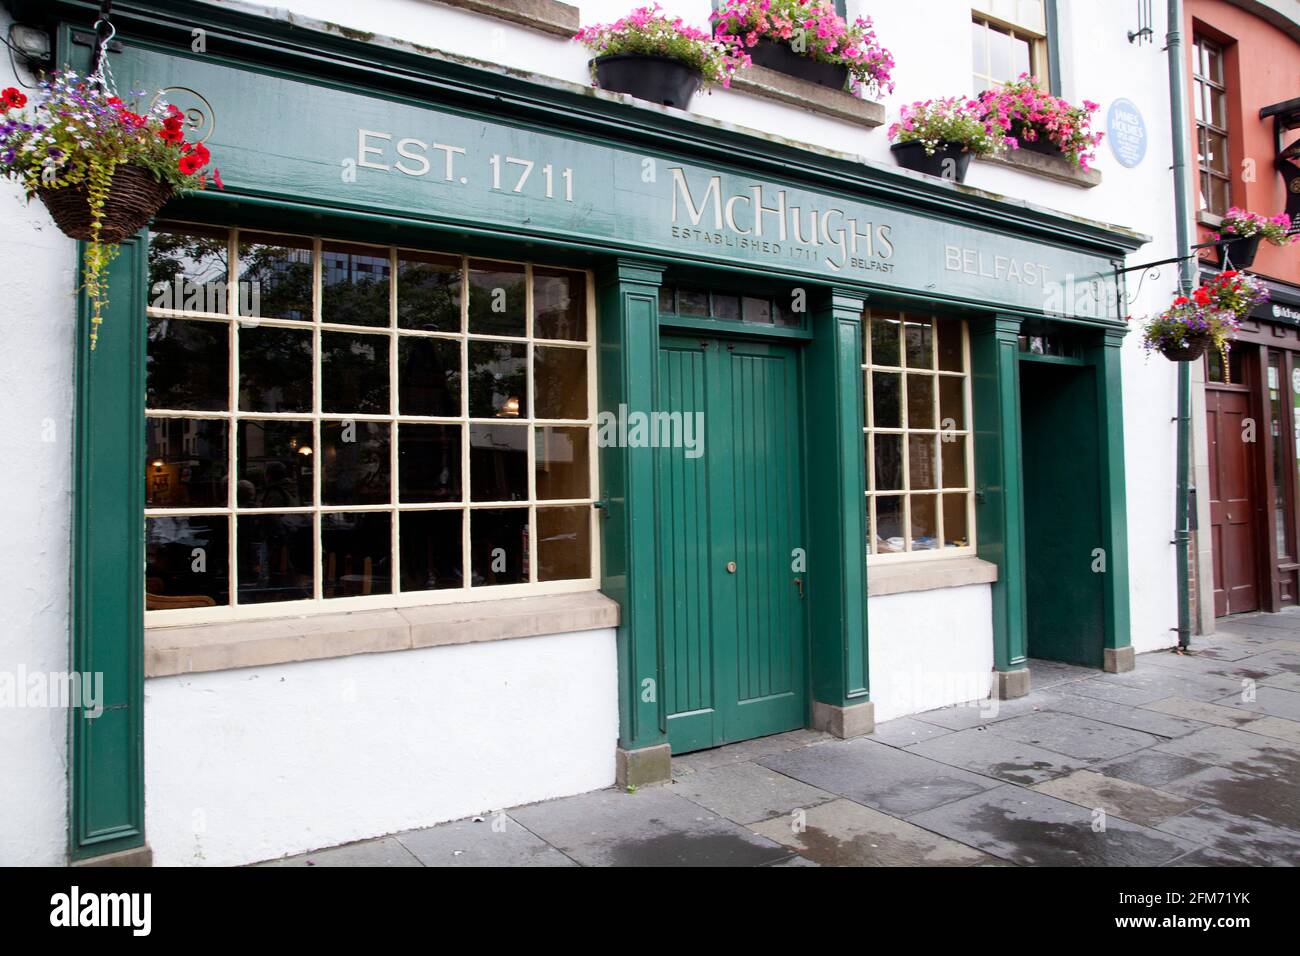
(1193,348)
(133,200)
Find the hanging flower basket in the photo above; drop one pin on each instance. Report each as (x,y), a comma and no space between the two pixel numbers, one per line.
(134,198)
(653,58)
(102,167)
(1241,233)
(1189,350)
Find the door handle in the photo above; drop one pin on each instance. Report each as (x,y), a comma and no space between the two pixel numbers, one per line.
(731,567)
(798,582)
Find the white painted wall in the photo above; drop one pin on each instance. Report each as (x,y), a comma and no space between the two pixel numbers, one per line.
(929,649)
(257,763)
(35,513)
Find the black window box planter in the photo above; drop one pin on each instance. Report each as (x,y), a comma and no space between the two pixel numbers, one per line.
(780,57)
(658,79)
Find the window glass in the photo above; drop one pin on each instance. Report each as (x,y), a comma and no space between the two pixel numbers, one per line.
(917,441)
(365,422)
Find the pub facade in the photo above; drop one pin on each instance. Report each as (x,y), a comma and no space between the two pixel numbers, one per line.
(490,438)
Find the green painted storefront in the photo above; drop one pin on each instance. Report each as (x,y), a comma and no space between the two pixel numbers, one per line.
(335,135)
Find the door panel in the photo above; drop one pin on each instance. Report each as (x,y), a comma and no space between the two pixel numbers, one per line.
(1064,596)
(685,579)
(734,641)
(1232,503)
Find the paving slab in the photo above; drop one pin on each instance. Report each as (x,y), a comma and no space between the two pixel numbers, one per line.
(1275,662)
(495,840)
(1073,736)
(906,731)
(981,713)
(1192,664)
(1121,798)
(879,776)
(1238,750)
(1034,829)
(1115,693)
(1240,838)
(1170,682)
(1285,680)
(844,833)
(1274,801)
(1282,729)
(386,851)
(1045,674)
(746,750)
(1122,715)
(652,827)
(1203,711)
(747,792)
(1272,701)
(1151,768)
(982,751)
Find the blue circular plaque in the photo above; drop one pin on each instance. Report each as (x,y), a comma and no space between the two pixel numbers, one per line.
(1126,132)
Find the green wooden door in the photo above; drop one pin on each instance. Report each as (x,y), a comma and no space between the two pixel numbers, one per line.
(734,640)
(1065,564)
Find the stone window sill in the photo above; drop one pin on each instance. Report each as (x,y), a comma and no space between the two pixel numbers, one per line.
(792,91)
(905,576)
(193,649)
(548,16)
(1057,168)
(1206,218)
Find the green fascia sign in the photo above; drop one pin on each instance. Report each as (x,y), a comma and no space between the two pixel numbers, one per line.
(287,139)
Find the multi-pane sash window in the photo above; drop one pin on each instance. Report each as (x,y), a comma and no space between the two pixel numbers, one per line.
(916,387)
(339,424)
(1008,38)
(1211,106)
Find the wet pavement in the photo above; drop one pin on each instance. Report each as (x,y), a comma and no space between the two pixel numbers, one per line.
(1186,761)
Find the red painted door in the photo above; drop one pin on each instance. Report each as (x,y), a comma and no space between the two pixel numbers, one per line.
(1233,500)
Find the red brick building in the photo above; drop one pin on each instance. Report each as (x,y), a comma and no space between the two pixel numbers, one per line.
(1244,96)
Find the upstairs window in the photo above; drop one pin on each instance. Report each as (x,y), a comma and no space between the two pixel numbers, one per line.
(1008,38)
(1210,99)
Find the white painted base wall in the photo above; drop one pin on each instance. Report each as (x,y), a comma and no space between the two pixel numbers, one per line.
(930,649)
(259,763)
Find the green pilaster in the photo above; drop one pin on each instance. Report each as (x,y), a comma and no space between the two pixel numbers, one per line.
(628,370)
(995,383)
(1106,357)
(106,772)
(837,502)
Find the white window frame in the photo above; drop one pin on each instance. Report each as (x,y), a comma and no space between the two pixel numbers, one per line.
(319,604)
(868,368)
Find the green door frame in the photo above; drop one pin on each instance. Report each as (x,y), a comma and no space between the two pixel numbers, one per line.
(106,769)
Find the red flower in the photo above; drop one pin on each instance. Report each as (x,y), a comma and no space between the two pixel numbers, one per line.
(1230,274)
(216,178)
(189,165)
(12,98)
(200,152)
(1202,296)
(167,134)
(116,103)
(1181,300)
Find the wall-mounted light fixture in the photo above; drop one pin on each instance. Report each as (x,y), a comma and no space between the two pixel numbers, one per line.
(1144,33)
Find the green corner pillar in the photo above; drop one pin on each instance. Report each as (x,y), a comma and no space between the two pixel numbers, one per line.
(106,769)
(837,552)
(627,363)
(1106,356)
(995,387)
